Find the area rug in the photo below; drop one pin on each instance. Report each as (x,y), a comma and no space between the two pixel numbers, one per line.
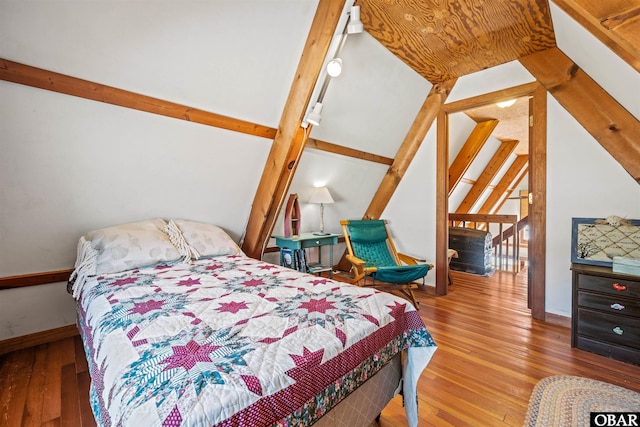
(564,401)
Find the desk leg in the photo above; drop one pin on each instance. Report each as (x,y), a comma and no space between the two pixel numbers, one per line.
(331,261)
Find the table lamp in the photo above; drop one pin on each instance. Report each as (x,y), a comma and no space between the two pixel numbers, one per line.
(321,195)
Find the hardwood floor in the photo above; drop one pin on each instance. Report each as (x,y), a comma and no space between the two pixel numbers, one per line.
(46,385)
(491,354)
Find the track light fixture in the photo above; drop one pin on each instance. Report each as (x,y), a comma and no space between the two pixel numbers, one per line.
(334,67)
(315,114)
(355,24)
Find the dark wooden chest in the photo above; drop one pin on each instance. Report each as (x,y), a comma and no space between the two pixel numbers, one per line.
(606,312)
(474,250)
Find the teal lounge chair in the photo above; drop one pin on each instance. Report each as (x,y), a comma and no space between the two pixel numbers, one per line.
(373,255)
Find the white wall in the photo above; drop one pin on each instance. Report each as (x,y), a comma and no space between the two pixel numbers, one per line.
(411,211)
(616,76)
(370,114)
(365,108)
(237,57)
(68,165)
(583,180)
(86,165)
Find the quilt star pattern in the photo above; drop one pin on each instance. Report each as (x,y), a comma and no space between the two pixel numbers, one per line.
(233,341)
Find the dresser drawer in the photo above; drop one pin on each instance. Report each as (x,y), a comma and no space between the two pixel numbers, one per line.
(613,304)
(610,328)
(608,285)
(617,352)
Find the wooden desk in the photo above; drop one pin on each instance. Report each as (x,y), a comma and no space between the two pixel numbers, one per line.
(297,245)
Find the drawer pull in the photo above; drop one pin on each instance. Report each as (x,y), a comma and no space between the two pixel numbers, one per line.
(618,287)
(617,306)
(618,330)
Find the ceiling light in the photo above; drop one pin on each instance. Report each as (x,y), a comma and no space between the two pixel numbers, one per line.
(355,24)
(334,67)
(505,104)
(314,116)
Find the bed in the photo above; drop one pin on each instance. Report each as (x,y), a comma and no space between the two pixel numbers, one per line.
(181,328)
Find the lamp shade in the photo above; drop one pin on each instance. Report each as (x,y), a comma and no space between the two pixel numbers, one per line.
(321,195)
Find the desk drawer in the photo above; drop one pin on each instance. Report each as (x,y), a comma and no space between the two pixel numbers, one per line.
(320,241)
(608,285)
(619,330)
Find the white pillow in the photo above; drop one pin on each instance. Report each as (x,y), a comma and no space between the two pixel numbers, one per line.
(207,239)
(130,246)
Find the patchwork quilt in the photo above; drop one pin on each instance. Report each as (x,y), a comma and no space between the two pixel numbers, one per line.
(232,341)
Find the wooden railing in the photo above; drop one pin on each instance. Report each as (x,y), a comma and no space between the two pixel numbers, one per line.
(506,243)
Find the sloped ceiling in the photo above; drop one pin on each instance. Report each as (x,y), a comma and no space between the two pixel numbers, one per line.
(448,39)
(615,22)
(442,40)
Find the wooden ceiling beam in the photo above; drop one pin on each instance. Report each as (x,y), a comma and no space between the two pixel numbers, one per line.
(617,130)
(513,187)
(288,144)
(467,154)
(44,79)
(490,171)
(616,20)
(523,90)
(346,151)
(505,186)
(407,151)
(27,75)
(606,27)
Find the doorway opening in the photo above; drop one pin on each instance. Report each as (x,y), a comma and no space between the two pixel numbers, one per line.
(485,194)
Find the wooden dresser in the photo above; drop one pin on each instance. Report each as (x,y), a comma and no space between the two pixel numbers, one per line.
(606,312)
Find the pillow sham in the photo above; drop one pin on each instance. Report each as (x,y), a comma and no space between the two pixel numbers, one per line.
(133,245)
(207,240)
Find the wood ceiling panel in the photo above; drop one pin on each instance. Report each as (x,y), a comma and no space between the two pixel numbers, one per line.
(445,39)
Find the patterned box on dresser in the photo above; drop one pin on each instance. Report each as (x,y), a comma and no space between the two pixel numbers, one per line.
(626,265)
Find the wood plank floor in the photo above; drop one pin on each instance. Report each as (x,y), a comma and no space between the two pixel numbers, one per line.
(491,354)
